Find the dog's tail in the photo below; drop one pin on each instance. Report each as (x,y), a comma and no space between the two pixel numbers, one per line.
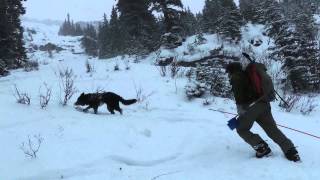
(128,102)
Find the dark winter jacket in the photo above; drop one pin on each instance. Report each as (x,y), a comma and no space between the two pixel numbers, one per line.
(241,88)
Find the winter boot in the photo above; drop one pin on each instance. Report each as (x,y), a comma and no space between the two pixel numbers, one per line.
(262,149)
(292,155)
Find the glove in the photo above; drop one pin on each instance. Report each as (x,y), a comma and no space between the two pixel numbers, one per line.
(233,123)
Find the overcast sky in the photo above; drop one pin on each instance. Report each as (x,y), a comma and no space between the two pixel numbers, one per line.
(82,10)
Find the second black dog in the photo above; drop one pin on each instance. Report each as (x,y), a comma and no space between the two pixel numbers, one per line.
(94,100)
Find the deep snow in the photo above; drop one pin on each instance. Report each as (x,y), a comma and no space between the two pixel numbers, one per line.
(165,137)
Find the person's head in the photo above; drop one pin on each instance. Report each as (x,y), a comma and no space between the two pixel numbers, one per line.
(233,67)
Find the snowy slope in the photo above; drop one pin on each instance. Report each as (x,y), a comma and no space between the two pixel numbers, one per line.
(165,137)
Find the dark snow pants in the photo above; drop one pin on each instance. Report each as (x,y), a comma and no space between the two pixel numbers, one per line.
(260,113)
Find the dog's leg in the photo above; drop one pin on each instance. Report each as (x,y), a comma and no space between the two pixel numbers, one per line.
(95,108)
(117,108)
(111,110)
(86,109)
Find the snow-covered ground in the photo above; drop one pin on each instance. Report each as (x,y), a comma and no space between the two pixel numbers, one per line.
(166,137)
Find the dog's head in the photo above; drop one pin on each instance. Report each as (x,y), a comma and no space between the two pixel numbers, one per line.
(82,100)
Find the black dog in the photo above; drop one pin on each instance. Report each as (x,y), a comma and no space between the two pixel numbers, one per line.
(94,100)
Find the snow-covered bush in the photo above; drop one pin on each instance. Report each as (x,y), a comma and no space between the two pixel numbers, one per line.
(200,39)
(31,66)
(191,49)
(208,77)
(308,105)
(213,75)
(195,89)
(300,103)
(171,40)
(190,74)
(206,102)
(291,101)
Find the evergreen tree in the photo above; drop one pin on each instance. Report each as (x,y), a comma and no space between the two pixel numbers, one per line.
(297,48)
(212,16)
(78,30)
(273,18)
(222,17)
(309,50)
(111,37)
(102,36)
(69,28)
(292,7)
(138,26)
(230,26)
(171,10)
(89,41)
(250,10)
(12,51)
(189,23)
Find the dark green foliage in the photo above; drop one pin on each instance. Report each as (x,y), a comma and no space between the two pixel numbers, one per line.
(174,20)
(69,28)
(169,10)
(274,18)
(222,17)
(89,41)
(188,23)
(251,10)
(296,46)
(111,38)
(138,27)
(12,51)
(211,76)
(211,16)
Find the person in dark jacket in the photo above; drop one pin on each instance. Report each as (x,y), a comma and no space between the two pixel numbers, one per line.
(260,112)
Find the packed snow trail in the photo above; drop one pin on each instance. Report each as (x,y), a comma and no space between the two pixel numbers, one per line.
(165,137)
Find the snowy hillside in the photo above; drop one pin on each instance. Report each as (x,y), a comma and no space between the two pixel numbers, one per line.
(191,50)
(164,137)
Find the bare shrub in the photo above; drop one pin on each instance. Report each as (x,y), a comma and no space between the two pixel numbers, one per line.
(146,106)
(127,64)
(50,54)
(291,102)
(32,146)
(190,74)
(141,95)
(89,67)
(137,59)
(308,105)
(206,102)
(162,70)
(31,65)
(67,87)
(174,68)
(21,97)
(116,67)
(44,97)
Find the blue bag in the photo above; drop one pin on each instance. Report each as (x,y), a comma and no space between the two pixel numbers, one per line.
(233,123)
